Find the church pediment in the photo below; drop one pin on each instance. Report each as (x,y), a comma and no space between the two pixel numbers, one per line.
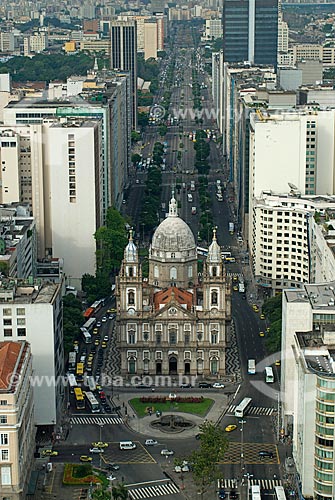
(174,311)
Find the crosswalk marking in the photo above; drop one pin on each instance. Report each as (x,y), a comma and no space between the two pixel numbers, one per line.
(151,491)
(96,420)
(239,275)
(265,484)
(254,410)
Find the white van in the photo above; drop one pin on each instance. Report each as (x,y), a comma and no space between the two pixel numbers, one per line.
(127,445)
(189,198)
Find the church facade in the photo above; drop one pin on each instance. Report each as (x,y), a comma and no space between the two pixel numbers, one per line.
(174,322)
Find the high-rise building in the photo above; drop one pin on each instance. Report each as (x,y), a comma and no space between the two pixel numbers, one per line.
(33,312)
(124,54)
(17,429)
(250,31)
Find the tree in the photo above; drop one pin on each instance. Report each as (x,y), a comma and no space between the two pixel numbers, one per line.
(135,158)
(135,136)
(72,320)
(120,492)
(213,445)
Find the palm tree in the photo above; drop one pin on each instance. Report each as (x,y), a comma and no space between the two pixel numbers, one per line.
(120,492)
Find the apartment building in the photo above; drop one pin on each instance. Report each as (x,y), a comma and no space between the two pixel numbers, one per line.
(308,384)
(213,29)
(35,43)
(17,429)
(282,36)
(32,312)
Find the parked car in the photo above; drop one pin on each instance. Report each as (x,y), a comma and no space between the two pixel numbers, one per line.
(95,449)
(186,386)
(218,385)
(265,454)
(205,385)
(85,458)
(221,494)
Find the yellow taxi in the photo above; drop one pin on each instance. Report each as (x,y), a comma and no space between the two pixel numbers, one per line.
(85,458)
(262,316)
(230,428)
(104,345)
(255,307)
(235,288)
(235,278)
(95,331)
(100,444)
(49,453)
(277,362)
(261,334)
(96,342)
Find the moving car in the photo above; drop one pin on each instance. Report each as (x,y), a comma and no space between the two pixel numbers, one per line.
(205,385)
(49,453)
(221,494)
(255,307)
(100,444)
(186,386)
(184,467)
(218,385)
(277,362)
(95,449)
(261,334)
(230,427)
(113,467)
(265,454)
(85,458)
(111,477)
(262,316)
(166,453)
(150,442)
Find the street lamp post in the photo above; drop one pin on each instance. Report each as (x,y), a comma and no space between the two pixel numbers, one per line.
(100,439)
(242,422)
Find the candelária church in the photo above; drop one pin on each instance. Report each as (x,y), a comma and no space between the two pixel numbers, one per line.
(175,322)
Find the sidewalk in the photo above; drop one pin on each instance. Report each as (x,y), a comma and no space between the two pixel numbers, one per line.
(142,425)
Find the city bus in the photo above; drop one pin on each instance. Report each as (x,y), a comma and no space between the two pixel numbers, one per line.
(269,375)
(86,335)
(71,380)
(80,372)
(72,362)
(280,493)
(89,323)
(241,409)
(251,366)
(80,400)
(91,383)
(255,492)
(92,402)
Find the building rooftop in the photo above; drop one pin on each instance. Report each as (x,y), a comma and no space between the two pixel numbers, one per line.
(183,297)
(318,348)
(10,355)
(320,296)
(27,291)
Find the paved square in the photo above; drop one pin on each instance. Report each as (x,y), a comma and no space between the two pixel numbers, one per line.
(138,456)
(250,453)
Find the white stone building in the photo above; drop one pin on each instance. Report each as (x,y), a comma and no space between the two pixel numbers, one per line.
(172,324)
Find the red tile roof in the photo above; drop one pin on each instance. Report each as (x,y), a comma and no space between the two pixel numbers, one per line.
(179,295)
(9,353)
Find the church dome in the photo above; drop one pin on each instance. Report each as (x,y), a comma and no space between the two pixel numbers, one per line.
(173,234)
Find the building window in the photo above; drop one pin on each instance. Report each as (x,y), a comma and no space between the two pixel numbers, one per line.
(21,321)
(131,337)
(4,439)
(190,271)
(3,402)
(5,455)
(3,419)
(173,255)
(7,321)
(214,298)
(214,337)
(173,338)
(5,476)
(156,272)
(173,273)
(131,272)
(21,332)
(131,298)
(187,339)
(8,332)
(7,312)
(158,338)
(20,311)
(214,271)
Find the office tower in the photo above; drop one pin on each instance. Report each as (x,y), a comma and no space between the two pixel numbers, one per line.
(17,428)
(123,56)
(250,31)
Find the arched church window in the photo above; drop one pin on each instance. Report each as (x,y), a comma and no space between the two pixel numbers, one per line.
(214,271)
(156,272)
(173,273)
(131,337)
(214,298)
(131,298)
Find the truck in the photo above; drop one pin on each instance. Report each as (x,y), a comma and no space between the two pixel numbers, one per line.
(192,186)
(231,227)
(241,287)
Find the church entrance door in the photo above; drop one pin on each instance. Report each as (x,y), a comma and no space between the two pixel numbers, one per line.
(187,369)
(173,365)
(159,368)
